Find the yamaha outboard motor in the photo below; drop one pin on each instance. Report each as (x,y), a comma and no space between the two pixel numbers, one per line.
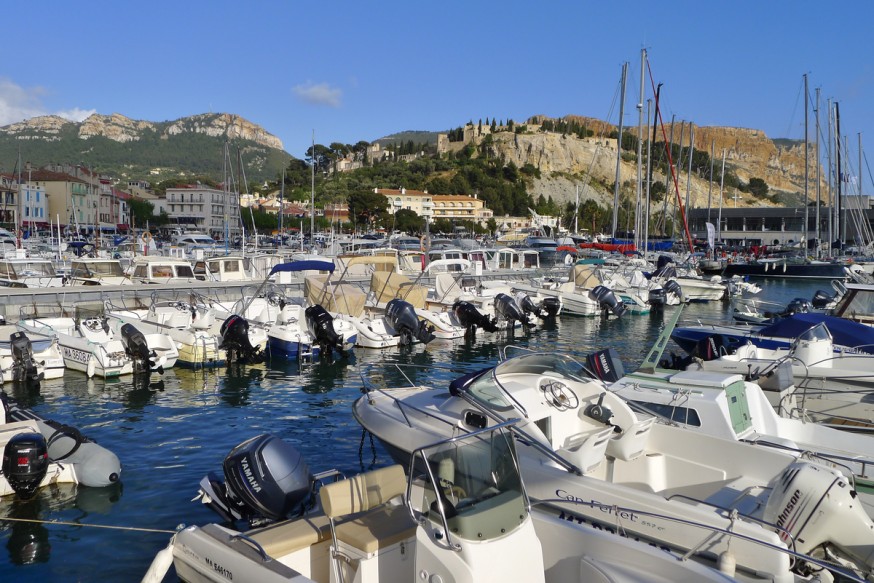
(509,311)
(137,348)
(608,300)
(235,339)
(605,365)
(471,318)
(401,315)
(265,480)
(23,365)
(25,463)
(821,299)
(321,325)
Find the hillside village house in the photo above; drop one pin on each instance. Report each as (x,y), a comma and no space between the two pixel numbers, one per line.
(437,206)
(30,208)
(209,209)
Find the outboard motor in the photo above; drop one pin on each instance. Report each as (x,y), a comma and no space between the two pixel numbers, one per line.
(509,310)
(673,287)
(24,367)
(605,365)
(608,300)
(818,507)
(797,306)
(137,349)
(265,480)
(401,315)
(821,299)
(235,339)
(529,308)
(549,307)
(25,463)
(658,297)
(711,347)
(665,268)
(471,318)
(321,325)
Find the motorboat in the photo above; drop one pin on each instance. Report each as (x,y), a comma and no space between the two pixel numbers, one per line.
(581,442)
(154,269)
(831,385)
(694,288)
(97,271)
(779,333)
(41,452)
(583,294)
(191,325)
(28,357)
(461,513)
(91,346)
(225,268)
(23,271)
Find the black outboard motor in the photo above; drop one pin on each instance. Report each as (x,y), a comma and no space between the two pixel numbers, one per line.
(137,348)
(235,339)
(658,297)
(608,300)
(321,325)
(24,367)
(797,306)
(549,307)
(605,365)
(711,347)
(25,463)
(509,311)
(821,299)
(664,267)
(266,479)
(672,286)
(402,317)
(529,308)
(471,318)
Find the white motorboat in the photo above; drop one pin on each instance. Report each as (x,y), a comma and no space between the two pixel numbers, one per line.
(28,357)
(39,452)
(23,271)
(462,514)
(585,444)
(190,326)
(97,271)
(90,345)
(158,270)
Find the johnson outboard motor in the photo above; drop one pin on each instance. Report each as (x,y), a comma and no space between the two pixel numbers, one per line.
(265,480)
(235,339)
(321,325)
(401,315)
(25,463)
(605,365)
(508,310)
(137,349)
(471,318)
(608,300)
(24,367)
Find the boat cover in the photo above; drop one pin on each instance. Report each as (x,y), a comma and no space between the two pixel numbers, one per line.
(336,298)
(844,332)
(307,265)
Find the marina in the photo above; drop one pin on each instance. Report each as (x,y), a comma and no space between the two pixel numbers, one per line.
(170,431)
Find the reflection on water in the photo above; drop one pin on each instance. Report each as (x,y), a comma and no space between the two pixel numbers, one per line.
(167,440)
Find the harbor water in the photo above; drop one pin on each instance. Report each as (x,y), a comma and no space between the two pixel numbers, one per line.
(171,431)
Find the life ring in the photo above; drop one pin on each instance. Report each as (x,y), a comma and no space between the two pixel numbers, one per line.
(147,237)
(424,243)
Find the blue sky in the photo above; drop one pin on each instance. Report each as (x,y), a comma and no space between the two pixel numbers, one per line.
(359,71)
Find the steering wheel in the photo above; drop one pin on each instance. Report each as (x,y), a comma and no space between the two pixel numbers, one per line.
(182,306)
(92,324)
(559,394)
(274,298)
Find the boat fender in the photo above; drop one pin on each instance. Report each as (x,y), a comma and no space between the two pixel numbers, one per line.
(727,563)
(94,465)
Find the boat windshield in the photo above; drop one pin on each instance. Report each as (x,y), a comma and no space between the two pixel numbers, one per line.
(101,269)
(818,332)
(473,486)
(34,269)
(858,305)
(487,392)
(540,363)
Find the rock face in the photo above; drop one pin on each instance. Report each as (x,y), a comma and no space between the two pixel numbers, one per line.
(566,161)
(122,129)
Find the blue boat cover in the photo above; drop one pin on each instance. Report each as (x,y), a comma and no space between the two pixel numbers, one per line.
(307,265)
(844,332)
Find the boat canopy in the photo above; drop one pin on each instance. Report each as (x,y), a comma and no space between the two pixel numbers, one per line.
(305,265)
(844,332)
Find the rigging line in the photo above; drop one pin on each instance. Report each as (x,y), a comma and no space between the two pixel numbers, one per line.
(109,526)
(795,109)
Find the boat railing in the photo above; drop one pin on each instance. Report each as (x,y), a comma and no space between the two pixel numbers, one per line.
(840,460)
(715,531)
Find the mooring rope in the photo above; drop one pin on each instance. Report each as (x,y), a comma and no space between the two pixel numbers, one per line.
(109,526)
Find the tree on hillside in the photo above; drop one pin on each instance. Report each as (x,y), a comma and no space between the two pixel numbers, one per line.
(321,156)
(366,205)
(758,187)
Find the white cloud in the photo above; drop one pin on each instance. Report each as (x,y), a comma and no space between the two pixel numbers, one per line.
(318,94)
(18,103)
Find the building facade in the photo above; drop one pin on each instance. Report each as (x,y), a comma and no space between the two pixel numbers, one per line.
(418,201)
(213,211)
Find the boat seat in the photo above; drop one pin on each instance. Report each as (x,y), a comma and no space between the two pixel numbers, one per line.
(631,443)
(589,447)
(369,523)
(285,538)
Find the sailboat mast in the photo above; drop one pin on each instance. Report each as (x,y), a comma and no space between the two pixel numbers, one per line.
(281,206)
(670,147)
(648,181)
(818,180)
(577,212)
(312,197)
(710,188)
(721,195)
(639,151)
(840,178)
(806,167)
(689,175)
(831,209)
(619,148)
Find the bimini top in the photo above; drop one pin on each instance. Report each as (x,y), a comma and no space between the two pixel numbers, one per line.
(305,265)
